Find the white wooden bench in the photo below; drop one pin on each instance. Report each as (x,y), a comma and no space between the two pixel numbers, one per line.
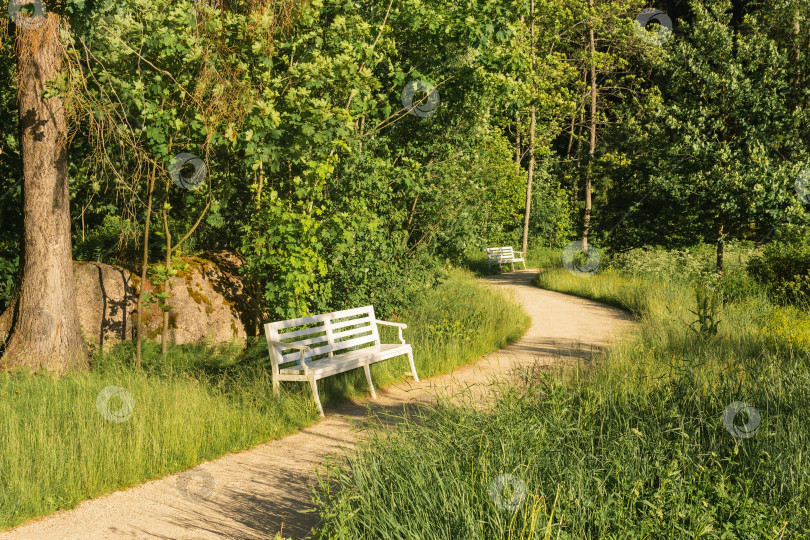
(504,255)
(311,348)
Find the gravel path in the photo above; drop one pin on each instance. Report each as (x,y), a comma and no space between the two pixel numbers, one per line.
(258,492)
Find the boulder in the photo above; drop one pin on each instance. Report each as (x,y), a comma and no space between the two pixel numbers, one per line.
(106,299)
(210,302)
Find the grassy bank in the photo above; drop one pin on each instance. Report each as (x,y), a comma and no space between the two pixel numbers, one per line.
(57,447)
(636,448)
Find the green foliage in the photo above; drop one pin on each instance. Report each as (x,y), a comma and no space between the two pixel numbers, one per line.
(8,274)
(783,265)
(720,139)
(158,275)
(708,302)
(104,241)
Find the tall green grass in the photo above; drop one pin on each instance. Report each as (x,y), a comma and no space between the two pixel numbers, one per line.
(200,402)
(634,448)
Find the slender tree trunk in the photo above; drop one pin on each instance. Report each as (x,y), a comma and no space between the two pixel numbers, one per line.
(530,176)
(165,337)
(798,28)
(517,143)
(45,332)
(362,127)
(529,180)
(413,210)
(721,240)
(578,153)
(145,264)
(571,137)
(592,150)
(260,188)
(518,149)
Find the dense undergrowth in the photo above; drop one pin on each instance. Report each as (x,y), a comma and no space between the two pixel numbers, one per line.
(200,402)
(638,447)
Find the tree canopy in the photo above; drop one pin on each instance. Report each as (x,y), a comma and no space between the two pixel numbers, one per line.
(349,149)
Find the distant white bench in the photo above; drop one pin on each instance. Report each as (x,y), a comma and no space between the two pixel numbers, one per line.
(311,348)
(504,255)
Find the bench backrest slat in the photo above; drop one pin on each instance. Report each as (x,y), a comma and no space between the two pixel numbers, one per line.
(330,333)
(306,332)
(338,326)
(498,253)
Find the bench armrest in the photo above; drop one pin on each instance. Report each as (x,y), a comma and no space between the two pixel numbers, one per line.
(400,327)
(301,349)
(386,323)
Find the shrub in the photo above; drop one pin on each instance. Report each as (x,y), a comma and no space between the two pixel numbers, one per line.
(783,266)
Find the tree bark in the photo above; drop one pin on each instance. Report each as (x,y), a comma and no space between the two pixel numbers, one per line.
(166,285)
(144,265)
(530,175)
(46,332)
(260,187)
(517,143)
(578,154)
(571,137)
(592,150)
(721,240)
(529,180)
(797,27)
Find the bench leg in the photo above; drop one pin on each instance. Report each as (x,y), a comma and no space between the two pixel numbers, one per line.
(413,367)
(524,265)
(314,384)
(367,369)
(276,387)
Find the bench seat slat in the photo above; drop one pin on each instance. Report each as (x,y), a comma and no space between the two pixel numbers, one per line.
(350,359)
(341,345)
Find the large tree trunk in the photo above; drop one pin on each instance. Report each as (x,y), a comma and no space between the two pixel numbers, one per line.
(592,150)
(45,331)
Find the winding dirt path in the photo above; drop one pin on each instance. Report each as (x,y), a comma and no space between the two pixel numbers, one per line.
(259,492)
